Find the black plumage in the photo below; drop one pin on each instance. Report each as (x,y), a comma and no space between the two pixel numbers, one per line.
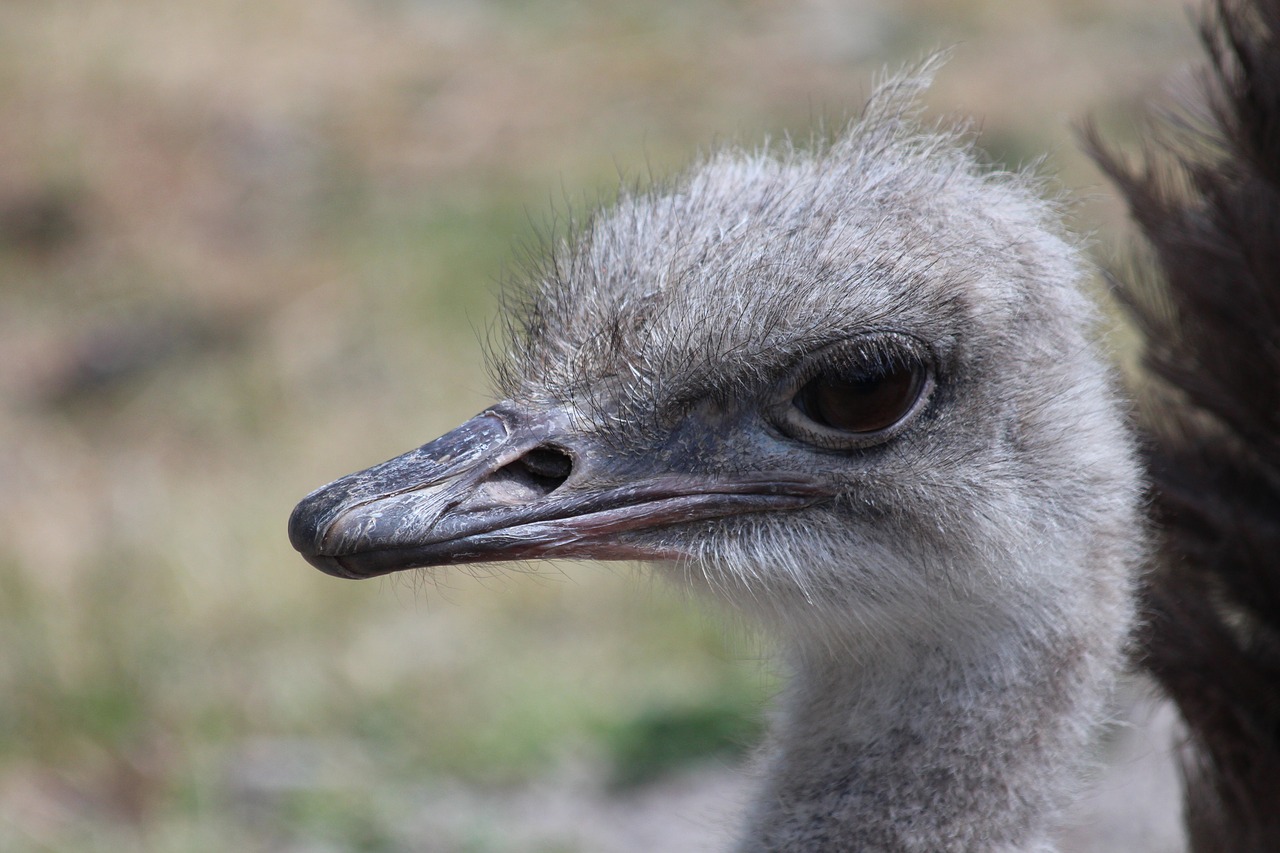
(1206,295)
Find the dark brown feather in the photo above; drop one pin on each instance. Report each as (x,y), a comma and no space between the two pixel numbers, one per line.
(1206,196)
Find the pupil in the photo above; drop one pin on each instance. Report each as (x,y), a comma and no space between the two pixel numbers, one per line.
(861,403)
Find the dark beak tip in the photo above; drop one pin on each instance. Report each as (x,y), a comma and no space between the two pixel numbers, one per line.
(304,527)
(309,526)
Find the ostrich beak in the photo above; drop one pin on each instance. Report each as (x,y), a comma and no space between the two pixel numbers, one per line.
(514,485)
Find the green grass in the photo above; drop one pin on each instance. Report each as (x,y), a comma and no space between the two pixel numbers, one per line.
(285,226)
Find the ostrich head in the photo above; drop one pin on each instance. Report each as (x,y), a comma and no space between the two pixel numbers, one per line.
(849,388)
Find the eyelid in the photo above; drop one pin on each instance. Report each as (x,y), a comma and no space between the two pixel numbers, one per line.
(855,350)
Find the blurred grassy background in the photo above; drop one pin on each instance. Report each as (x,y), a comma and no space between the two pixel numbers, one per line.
(246,247)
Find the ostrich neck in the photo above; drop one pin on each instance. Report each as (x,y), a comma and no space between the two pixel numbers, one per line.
(931,745)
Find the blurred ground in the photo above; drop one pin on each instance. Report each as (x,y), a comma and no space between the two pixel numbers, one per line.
(246,247)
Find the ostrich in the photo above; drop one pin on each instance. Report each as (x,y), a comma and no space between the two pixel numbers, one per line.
(801,382)
(854,391)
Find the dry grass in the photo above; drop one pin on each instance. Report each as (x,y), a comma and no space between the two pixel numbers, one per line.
(244,248)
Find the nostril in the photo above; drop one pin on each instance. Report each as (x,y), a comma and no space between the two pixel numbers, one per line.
(545,467)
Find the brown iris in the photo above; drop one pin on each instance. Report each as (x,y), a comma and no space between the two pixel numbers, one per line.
(865,399)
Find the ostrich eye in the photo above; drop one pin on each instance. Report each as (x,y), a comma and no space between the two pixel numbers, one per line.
(863,401)
(855,395)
